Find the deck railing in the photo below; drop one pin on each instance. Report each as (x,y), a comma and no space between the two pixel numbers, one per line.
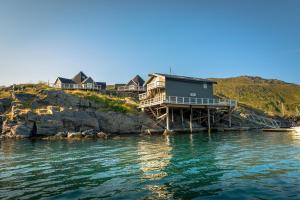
(187,101)
(78,86)
(131,88)
(156,84)
(142,96)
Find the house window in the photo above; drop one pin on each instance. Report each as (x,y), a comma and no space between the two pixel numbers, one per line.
(205,85)
(193,94)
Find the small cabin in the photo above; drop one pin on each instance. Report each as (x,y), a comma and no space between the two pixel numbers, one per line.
(168,96)
(135,84)
(80,81)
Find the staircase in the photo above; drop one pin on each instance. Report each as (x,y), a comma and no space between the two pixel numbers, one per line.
(263,121)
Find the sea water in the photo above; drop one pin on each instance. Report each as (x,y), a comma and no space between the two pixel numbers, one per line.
(228,165)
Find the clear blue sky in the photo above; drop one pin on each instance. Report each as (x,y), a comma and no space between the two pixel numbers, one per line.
(113,40)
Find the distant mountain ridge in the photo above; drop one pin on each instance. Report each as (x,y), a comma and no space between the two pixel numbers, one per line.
(272,96)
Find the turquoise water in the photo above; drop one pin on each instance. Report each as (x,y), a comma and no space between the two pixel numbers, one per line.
(249,165)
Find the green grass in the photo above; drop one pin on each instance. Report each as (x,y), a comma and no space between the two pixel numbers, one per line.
(270,96)
(108,103)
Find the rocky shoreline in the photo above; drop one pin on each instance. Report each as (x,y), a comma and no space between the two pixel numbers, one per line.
(56,113)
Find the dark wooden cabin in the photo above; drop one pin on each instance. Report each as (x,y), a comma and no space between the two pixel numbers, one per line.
(165,92)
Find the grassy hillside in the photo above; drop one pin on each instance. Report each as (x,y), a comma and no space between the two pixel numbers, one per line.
(274,97)
(110,103)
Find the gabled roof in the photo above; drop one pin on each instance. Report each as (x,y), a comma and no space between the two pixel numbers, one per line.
(79,78)
(88,80)
(65,80)
(137,80)
(182,78)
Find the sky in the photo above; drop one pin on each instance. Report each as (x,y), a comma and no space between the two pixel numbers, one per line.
(113,40)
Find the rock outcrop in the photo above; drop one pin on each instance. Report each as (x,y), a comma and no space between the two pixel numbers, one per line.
(4,105)
(54,112)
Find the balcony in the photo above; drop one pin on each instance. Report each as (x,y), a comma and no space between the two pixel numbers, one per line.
(156,84)
(142,96)
(131,88)
(72,86)
(175,100)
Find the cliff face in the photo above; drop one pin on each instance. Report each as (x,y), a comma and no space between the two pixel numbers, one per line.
(47,112)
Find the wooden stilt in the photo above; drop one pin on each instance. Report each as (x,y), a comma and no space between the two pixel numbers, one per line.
(167,119)
(182,122)
(229,115)
(208,119)
(199,119)
(191,119)
(172,116)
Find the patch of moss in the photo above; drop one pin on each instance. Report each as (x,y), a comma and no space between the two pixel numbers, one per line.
(109,103)
(5,93)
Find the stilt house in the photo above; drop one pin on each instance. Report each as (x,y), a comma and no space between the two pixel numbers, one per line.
(180,93)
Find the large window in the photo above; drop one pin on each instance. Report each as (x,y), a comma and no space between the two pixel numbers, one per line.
(205,85)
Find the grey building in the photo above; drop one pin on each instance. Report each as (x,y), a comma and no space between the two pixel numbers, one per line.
(182,94)
(79,81)
(134,85)
(181,86)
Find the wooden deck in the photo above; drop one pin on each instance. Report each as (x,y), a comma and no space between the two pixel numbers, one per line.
(70,86)
(187,101)
(131,88)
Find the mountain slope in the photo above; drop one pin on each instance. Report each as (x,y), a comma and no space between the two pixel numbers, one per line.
(273,97)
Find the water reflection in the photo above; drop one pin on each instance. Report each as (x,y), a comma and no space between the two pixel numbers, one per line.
(154,157)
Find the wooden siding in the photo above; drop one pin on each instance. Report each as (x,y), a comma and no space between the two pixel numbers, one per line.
(185,88)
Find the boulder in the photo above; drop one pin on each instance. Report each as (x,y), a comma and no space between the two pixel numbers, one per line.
(79,120)
(21,130)
(4,104)
(74,135)
(102,135)
(23,97)
(47,125)
(115,122)
(89,132)
(61,134)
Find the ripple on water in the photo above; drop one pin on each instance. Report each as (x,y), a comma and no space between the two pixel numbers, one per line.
(218,166)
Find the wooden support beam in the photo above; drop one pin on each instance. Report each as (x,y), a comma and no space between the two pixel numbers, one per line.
(208,119)
(182,122)
(229,115)
(191,119)
(153,113)
(199,119)
(162,116)
(167,119)
(172,115)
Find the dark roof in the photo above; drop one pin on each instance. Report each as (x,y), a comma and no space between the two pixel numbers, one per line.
(79,77)
(65,80)
(137,80)
(184,78)
(88,80)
